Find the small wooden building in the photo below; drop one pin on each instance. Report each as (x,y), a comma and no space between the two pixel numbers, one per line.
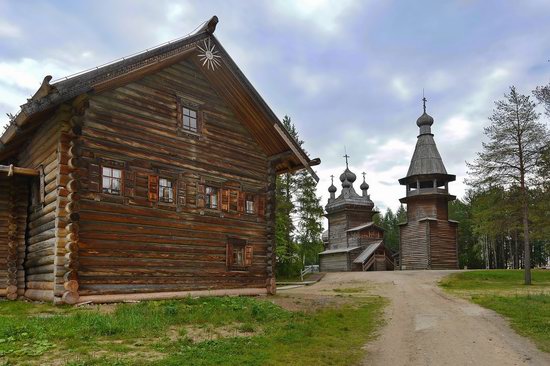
(428,240)
(151,177)
(353,242)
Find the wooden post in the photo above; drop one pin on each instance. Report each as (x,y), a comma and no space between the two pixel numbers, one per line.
(270,223)
(11,289)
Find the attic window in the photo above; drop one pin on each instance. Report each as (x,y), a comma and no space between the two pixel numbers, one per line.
(190,121)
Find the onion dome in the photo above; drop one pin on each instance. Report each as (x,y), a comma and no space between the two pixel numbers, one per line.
(425,120)
(346,183)
(348,175)
(332,189)
(364,186)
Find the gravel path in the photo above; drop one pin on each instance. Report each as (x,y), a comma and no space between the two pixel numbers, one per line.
(428,327)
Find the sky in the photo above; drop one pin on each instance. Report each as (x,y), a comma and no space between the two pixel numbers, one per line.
(350,73)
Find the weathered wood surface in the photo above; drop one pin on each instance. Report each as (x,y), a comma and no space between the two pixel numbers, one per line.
(443,245)
(41,236)
(336,262)
(414,245)
(128,244)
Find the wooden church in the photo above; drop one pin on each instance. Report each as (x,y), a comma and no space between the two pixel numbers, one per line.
(428,240)
(353,242)
(151,177)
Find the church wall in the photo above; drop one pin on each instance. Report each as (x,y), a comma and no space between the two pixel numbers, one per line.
(337,230)
(337,262)
(413,245)
(443,245)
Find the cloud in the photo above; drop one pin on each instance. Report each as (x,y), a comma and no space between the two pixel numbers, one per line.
(312,83)
(400,87)
(326,16)
(457,128)
(8,30)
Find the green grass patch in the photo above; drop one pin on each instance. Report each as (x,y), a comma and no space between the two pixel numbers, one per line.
(496,280)
(203,331)
(526,307)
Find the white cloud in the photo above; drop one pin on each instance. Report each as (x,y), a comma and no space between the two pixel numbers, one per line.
(325,15)
(312,84)
(457,128)
(8,30)
(400,87)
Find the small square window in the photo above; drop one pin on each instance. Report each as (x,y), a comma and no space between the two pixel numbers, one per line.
(111,180)
(189,119)
(166,190)
(249,204)
(211,197)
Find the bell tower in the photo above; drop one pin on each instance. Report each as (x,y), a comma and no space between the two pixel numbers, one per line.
(428,240)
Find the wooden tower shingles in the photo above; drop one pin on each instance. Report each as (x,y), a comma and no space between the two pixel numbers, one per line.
(428,240)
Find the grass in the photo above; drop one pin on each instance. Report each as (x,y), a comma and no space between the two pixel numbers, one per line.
(526,307)
(204,331)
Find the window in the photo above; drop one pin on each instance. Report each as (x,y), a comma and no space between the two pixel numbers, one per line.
(211,197)
(166,190)
(111,180)
(249,205)
(239,255)
(190,119)
(233,200)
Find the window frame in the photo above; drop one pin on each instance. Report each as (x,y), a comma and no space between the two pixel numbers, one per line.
(239,244)
(249,198)
(208,196)
(191,105)
(105,165)
(173,183)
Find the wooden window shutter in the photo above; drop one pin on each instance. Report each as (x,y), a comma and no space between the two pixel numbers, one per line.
(94,178)
(260,205)
(225,199)
(153,188)
(129,184)
(240,203)
(248,255)
(200,196)
(229,255)
(181,193)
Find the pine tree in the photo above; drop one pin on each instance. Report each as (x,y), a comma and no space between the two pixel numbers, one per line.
(310,212)
(298,203)
(510,158)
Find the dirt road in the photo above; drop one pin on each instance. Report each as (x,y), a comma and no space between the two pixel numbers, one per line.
(428,327)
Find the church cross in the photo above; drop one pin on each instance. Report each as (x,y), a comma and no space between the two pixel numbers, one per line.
(346,156)
(332,179)
(364,176)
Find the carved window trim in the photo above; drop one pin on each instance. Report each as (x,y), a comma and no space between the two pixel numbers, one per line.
(193,105)
(239,255)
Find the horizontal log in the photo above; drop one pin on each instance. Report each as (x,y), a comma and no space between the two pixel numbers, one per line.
(12,170)
(39,295)
(101,299)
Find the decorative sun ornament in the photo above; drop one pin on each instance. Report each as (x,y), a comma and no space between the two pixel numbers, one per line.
(209,56)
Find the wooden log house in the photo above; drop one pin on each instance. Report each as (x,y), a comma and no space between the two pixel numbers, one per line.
(353,242)
(428,240)
(151,177)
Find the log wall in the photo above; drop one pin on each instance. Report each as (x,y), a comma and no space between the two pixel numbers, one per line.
(39,264)
(443,245)
(129,243)
(413,245)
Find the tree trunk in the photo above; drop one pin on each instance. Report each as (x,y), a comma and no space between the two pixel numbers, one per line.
(527,254)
